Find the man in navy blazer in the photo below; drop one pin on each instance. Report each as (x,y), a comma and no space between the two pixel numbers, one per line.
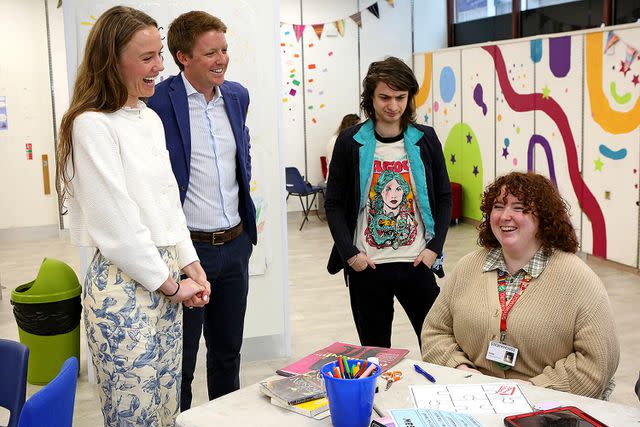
(204,121)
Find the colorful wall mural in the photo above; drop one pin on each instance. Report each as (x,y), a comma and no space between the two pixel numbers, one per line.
(566,106)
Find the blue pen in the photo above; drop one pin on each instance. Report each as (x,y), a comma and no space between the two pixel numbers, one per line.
(424,373)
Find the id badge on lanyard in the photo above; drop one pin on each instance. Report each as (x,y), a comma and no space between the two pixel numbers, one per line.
(503,354)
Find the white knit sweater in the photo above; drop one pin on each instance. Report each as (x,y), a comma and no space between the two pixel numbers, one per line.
(124,197)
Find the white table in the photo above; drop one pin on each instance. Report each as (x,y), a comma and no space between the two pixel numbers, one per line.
(249,407)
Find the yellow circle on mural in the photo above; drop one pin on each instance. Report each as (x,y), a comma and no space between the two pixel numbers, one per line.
(499,117)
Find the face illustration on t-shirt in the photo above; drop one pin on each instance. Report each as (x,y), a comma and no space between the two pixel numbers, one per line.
(391,212)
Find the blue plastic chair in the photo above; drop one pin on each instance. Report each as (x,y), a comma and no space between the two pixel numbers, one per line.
(297,186)
(13,378)
(52,406)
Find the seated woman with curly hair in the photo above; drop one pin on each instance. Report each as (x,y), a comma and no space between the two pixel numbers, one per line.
(525,307)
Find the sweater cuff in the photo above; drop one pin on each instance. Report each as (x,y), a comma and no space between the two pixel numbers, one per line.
(186,253)
(158,279)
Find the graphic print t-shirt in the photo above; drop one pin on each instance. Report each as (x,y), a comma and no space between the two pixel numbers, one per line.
(390,228)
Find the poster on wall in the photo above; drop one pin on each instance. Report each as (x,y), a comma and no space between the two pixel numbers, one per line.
(4,123)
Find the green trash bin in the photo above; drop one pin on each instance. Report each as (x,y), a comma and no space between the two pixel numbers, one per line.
(47,312)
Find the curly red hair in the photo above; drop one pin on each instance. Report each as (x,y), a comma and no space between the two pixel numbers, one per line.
(540,197)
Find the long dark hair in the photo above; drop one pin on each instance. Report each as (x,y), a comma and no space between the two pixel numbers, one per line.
(98,85)
(398,76)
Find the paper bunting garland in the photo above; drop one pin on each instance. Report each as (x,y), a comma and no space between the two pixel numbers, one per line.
(340,27)
(298,29)
(357,18)
(318,29)
(339,24)
(375,10)
(612,39)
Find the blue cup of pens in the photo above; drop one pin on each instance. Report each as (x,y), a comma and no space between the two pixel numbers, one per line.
(351,386)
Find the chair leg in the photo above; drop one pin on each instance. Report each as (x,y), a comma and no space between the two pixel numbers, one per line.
(305,212)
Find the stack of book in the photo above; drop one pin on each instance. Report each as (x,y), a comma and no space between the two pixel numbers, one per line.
(303,394)
(303,391)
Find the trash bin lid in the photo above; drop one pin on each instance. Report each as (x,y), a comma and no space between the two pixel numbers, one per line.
(56,281)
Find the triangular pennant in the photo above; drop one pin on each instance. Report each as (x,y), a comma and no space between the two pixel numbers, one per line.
(375,10)
(357,18)
(340,27)
(612,39)
(391,3)
(318,29)
(631,54)
(298,29)
(281,24)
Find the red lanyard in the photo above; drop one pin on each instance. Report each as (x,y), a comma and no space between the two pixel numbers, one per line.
(502,295)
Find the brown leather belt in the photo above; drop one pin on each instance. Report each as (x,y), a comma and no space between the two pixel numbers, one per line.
(217,238)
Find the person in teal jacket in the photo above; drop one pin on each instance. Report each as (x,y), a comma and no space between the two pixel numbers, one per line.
(388,206)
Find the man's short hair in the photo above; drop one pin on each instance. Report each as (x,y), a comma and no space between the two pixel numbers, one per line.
(398,76)
(186,28)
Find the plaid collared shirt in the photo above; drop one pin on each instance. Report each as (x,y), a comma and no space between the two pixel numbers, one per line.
(535,266)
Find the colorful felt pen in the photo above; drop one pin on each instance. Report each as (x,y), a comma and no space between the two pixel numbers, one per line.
(424,373)
(336,372)
(368,371)
(342,371)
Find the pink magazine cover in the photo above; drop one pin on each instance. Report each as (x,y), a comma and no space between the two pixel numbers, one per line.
(388,357)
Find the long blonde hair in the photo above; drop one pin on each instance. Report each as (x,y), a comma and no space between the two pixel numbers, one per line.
(98,85)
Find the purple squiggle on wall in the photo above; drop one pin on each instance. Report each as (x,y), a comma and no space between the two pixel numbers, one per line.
(539,139)
(477,97)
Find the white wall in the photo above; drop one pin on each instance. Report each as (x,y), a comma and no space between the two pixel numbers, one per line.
(24,81)
(341,63)
(430,25)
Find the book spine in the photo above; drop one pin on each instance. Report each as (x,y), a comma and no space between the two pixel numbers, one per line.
(307,398)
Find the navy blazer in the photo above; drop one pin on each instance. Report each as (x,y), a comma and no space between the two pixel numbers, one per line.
(170,103)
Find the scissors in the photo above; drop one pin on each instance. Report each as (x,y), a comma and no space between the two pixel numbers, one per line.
(391,377)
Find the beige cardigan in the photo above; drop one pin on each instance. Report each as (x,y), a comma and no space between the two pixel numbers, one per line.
(562,325)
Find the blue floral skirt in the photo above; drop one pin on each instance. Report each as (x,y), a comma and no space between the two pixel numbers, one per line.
(135,340)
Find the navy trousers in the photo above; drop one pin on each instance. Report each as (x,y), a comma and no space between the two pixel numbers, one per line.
(221,320)
(372,291)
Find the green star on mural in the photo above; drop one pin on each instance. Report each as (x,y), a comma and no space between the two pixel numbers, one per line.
(598,164)
(545,92)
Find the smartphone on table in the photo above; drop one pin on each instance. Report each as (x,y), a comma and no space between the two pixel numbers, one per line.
(564,416)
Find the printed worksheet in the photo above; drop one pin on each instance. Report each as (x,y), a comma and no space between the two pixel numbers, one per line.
(491,398)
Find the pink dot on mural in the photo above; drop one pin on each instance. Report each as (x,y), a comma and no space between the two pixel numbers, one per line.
(515,161)
(436,106)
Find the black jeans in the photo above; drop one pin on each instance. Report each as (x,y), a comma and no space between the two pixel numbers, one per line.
(227,269)
(372,292)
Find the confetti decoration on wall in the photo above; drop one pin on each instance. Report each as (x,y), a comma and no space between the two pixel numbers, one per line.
(391,3)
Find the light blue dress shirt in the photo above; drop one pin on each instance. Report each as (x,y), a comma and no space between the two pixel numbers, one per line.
(211,202)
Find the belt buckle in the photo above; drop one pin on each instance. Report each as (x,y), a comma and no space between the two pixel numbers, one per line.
(213,238)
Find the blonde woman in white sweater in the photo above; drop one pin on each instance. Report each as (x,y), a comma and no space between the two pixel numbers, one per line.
(114,174)
(525,307)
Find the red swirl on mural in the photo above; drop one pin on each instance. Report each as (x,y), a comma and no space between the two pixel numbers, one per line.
(535,101)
